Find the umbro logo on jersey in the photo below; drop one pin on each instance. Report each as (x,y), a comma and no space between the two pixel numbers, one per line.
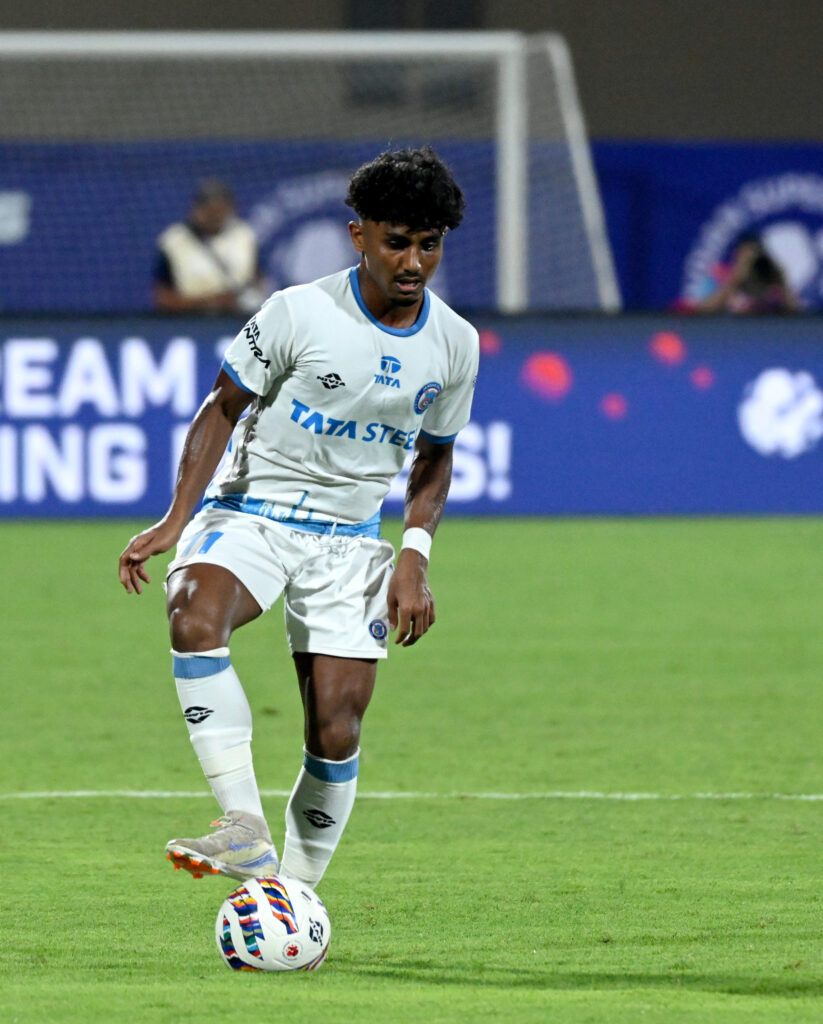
(332,381)
(319,818)
(196,714)
(389,366)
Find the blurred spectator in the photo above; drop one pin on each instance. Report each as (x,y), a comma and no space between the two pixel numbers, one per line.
(754,283)
(210,262)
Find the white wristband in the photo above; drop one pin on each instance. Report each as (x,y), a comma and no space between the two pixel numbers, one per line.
(418,539)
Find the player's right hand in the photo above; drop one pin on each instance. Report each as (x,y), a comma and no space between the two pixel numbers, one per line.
(154,541)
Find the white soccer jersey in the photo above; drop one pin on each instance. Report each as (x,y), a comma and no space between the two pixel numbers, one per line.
(341,399)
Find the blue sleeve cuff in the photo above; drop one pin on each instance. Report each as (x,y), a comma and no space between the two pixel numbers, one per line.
(434,439)
(231,372)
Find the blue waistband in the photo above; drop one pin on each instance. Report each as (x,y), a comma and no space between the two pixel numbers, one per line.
(282,514)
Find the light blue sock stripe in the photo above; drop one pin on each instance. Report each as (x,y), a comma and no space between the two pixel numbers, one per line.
(331,771)
(198,667)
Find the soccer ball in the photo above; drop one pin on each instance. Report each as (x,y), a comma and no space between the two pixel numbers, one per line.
(272,924)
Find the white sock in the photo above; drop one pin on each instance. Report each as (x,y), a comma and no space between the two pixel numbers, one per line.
(219,720)
(318,810)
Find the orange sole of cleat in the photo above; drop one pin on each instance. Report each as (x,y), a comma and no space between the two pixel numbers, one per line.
(196,868)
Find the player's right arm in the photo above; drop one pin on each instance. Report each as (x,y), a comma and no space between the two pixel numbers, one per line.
(203,448)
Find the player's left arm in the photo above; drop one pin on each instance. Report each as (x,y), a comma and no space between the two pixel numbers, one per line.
(411,604)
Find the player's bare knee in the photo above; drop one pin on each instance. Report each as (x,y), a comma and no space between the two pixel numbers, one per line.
(193,630)
(337,739)
(196,622)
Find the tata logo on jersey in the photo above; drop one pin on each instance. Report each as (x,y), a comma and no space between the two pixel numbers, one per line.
(382,433)
(389,366)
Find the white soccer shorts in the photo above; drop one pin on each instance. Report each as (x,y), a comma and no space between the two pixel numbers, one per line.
(335,587)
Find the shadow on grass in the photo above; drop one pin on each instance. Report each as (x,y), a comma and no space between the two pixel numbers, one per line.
(416,972)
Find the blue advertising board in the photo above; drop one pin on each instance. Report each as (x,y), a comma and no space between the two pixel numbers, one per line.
(585,415)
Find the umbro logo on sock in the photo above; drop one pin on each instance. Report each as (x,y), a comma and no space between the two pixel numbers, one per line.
(195,715)
(319,818)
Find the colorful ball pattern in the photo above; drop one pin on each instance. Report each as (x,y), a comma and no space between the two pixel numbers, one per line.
(273,924)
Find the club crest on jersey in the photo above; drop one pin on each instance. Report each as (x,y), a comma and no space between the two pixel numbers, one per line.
(426,395)
(389,366)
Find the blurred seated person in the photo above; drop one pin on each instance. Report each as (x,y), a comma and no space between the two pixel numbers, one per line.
(210,262)
(754,283)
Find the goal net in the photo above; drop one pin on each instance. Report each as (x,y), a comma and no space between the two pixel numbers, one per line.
(104,137)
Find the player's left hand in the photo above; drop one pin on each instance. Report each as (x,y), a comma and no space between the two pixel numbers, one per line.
(411,604)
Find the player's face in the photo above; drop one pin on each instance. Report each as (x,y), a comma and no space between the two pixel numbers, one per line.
(397,261)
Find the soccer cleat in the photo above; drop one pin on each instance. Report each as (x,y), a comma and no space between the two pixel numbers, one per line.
(240,848)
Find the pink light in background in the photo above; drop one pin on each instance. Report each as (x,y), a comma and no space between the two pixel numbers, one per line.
(490,343)
(702,377)
(614,406)
(548,375)
(667,348)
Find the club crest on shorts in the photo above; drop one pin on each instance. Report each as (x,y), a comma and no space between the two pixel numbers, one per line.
(378,629)
(426,395)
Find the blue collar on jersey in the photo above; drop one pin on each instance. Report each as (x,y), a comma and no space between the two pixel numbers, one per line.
(398,332)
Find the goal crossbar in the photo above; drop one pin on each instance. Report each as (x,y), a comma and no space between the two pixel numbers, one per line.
(508,50)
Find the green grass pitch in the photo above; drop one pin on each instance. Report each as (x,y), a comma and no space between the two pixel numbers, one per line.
(574,665)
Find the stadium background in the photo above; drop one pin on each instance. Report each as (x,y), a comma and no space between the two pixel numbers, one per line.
(700,130)
(593,793)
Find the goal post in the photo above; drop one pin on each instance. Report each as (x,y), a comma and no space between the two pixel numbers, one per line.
(134,117)
(574,127)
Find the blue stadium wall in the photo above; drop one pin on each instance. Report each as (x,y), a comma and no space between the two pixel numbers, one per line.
(581,415)
(79,222)
(675,212)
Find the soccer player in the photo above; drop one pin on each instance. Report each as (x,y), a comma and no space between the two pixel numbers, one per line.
(342,378)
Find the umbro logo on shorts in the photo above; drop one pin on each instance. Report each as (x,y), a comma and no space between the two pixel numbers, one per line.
(318,818)
(332,381)
(195,714)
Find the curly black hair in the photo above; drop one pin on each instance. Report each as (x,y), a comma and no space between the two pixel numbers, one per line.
(412,187)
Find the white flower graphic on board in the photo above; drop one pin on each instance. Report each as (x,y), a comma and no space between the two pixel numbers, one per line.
(781,413)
